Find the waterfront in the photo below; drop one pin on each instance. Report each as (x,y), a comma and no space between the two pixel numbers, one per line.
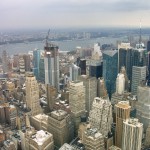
(63,45)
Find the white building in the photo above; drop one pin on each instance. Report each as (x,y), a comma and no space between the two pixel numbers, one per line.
(100,116)
(75,71)
(120,84)
(132,134)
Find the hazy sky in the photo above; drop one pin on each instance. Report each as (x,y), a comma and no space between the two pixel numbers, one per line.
(73,13)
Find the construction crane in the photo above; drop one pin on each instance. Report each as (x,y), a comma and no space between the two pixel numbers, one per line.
(47,37)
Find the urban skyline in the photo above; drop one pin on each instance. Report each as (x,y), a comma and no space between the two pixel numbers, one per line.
(82,97)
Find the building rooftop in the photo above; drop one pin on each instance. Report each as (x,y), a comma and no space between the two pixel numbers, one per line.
(123,104)
(93,133)
(66,147)
(110,52)
(133,122)
(41,136)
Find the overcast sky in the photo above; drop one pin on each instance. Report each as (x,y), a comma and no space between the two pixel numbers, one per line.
(17,14)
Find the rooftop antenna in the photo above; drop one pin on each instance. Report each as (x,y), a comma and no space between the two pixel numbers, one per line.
(140,39)
(47,37)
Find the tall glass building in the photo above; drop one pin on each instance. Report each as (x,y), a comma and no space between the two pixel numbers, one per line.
(110,70)
(130,57)
(36,62)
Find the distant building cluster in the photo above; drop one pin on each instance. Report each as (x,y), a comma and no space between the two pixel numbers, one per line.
(91,100)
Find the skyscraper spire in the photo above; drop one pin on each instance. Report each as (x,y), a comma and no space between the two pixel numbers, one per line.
(140,38)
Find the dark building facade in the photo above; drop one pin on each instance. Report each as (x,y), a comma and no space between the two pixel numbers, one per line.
(82,65)
(148,46)
(110,70)
(132,57)
(41,70)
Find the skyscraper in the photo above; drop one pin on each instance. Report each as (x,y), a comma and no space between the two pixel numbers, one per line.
(32,94)
(93,140)
(41,70)
(51,93)
(5,61)
(94,65)
(27,62)
(61,126)
(138,75)
(21,66)
(110,69)
(132,134)
(101,89)
(128,57)
(142,106)
(77,97)
(90,84)
(147,137)
(75,71)
(148,46)
(124,59)
(100,116)
(120,84)
(77,102)
(122,113)
(36,62)
(51,63)
(82,65)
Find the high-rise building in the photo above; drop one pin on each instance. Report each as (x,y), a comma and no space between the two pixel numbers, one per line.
(148,64)
(5,62)
(11,116)
(120,84)
(27,62)
(51,93)
(77,102)
(37,140)
(148,46)
(123,71)
(124,52)
(110,70)
(82,65)
(51,63)
(138,75)
(77,97)
(8,115)
(41,70)
(93,140)
(122,113)
(75,71)
(90,84)
(121,93)
(36,62)
(142,106)
(95,65)
(100,116)
(61,126)
(147,137)
(40,122)
(101,89)
(128,57)
(21,66)
(132,134)
(15,62)
(32,94)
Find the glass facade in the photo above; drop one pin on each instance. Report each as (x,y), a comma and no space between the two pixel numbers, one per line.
(110,70)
